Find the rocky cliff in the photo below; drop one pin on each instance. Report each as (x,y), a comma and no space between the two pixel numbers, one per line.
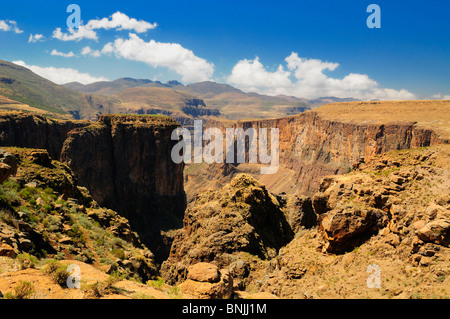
(35,131)
(328,140)
(128,168)
(124,159)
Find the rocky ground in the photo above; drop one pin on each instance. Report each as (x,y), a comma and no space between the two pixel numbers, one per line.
(379,231)
(389,217)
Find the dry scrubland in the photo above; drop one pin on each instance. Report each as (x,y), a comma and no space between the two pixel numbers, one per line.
(240,240)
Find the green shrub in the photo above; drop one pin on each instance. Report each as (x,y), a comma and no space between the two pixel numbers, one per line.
(119,253)
(159,283)
(24,290)
(58,272)
(27,193)
(26,260)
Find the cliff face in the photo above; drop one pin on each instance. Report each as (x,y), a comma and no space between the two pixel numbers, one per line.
(313,146)
(125,161)
(35,131)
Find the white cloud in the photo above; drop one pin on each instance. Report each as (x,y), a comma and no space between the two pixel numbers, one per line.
(252,75)
(118,21)
(305,78)
(75,34)
(62,75)
(65,55)
(121,21)
(35,38)
(9,25)
(157,54)
(440,96)
(93,53)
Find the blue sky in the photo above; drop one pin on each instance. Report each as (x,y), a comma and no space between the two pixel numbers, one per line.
(300,48)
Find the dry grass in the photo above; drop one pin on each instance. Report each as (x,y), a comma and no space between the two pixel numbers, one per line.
(432,114)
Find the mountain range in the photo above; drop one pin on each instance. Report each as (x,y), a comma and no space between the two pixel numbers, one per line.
(22,89)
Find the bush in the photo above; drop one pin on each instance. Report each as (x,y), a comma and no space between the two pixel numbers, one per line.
(119,253)
(26,260)
(27,193)
(24,290)
(58,272)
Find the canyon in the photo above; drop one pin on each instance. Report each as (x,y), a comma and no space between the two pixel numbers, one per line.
(330,139)
(125,160)
(251,226)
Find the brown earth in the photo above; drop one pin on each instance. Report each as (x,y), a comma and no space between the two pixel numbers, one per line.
(390,214)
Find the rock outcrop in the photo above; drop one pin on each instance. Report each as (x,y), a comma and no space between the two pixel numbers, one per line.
(392,212)
(129,169)
(206,281)
(242,217)
(124,160)
(35,131)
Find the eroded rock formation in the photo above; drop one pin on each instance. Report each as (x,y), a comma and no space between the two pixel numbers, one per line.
(125,160)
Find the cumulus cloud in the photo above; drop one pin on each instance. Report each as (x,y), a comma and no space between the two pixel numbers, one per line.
(121,21)
(304,77)
(62,75)
(87,51)
(75,34)
(252,75)
(118,21)
(439,96)
(65,55)
(35,38)
(157,54)
(9,25)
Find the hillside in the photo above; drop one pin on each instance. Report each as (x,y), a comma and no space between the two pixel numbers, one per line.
(389,217)
(113,87)
(20,84)
(231,102)
(160,100)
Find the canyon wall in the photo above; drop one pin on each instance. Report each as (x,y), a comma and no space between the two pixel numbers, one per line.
(124,160)
(35,131)
(312,146)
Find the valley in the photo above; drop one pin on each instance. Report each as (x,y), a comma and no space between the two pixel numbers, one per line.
(88,179)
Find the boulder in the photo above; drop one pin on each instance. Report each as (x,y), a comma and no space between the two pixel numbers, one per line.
(5,172)
(10,160)
(343,229)
(436,232)
(201,286)
(204,272)
(7,250)
(41,157)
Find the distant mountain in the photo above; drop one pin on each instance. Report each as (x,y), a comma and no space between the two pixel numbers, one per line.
(236,104)
(20,84)
(110,88)
(231,102)
(327,100)
(182,106)
(210,89)
(142,96)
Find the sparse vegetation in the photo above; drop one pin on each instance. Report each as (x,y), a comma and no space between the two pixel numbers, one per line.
(23,290)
